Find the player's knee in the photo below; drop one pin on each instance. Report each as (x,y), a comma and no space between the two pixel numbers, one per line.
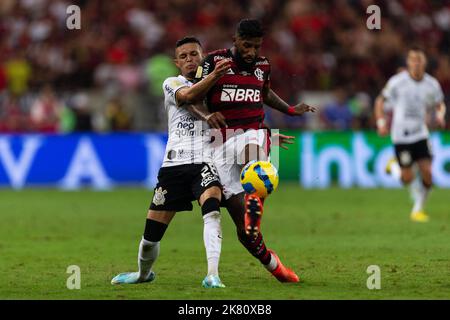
(427,183)
(407,176)
(407,179)
(427,179)
(213,192)
(426,173)
(236,208)
(160,216)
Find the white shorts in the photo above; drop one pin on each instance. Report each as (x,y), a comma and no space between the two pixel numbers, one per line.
(227,158)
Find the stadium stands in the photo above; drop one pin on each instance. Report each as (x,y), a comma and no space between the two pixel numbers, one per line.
(124,49)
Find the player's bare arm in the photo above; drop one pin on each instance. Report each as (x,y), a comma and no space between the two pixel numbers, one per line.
(199,90)
(275,102)
(440,114)
(382,128)
(215,120)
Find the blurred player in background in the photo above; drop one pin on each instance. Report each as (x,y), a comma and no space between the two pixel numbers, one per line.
(186,173)
(409,94)
(239,96)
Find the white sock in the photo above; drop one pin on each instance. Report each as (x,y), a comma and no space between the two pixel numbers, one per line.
(272,265)
(212,237)
(148,253)
(415,188)
(420,199)
(396,171)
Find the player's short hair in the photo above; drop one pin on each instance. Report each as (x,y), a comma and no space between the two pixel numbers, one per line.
(188,39)
(249,28)
(416,48)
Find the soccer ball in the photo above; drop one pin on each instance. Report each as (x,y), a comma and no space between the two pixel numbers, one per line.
(260,177)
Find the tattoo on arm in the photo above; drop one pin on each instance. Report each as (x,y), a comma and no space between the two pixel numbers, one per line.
(275,102)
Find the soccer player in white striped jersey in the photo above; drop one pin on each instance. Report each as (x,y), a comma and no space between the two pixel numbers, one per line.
(411,94)
(187,172)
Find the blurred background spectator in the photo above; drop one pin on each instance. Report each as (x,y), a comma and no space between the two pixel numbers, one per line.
(83,115)
(318,48)
(337,114)
(119,119)
(13,117)
(45,111)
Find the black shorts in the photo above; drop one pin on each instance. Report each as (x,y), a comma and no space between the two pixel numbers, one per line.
(179,185)
(407,154)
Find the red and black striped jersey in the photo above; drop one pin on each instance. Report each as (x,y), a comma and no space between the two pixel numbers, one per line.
(238,95)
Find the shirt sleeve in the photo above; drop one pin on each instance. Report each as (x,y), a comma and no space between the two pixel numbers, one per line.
(389,93)
(206,67)
(171,86)
(439,94)
(389,90)
(267,76)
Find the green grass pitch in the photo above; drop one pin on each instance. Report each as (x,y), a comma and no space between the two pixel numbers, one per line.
(329,237)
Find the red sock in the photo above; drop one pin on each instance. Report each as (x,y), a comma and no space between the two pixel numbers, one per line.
(256,247)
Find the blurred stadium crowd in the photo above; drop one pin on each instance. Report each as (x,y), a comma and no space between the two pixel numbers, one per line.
(108,75)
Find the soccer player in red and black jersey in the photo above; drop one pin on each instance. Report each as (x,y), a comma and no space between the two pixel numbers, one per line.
(239,96)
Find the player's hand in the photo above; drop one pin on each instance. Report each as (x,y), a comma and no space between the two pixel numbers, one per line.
(441,122)
(281,139)
(221,67)
(383,131)
(216,120)
(302,108)
(382,128)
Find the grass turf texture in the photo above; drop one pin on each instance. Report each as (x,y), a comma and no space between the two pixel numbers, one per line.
(329,237)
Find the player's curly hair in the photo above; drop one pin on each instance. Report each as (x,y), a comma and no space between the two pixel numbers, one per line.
(249,28)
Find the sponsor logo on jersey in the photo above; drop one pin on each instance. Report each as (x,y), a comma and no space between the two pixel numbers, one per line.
(188,118)
(262,63)
(206,67)
(175,83)
(184,154)
(259,74)
(238,95)
(169,90)
(190,128)
(171,154)
(216,58)
(185,125)
(158,198)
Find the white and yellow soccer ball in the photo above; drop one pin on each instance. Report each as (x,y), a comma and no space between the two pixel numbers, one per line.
(260,177)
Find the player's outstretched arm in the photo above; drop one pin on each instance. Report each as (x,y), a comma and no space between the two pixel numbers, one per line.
(379,116)
(215,120)
(275,102)
(199,90)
